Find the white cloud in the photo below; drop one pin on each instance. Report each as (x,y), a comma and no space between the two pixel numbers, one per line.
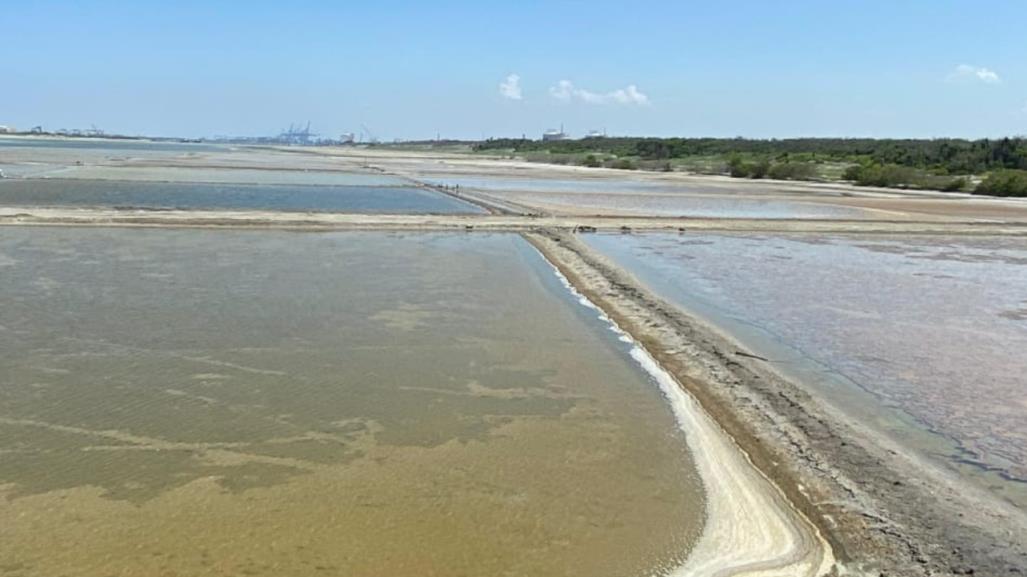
(566,91)
(563,90)
(511,87)
(965,72)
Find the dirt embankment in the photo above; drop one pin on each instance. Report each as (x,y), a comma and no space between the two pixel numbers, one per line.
(883,511)
(495,221)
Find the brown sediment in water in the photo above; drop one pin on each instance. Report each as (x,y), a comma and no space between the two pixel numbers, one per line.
(366,403)
(881,510)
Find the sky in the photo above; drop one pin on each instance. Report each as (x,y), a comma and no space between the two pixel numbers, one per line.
(473,69)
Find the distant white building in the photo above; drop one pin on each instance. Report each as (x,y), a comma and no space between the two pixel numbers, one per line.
(554,134)
(6,129)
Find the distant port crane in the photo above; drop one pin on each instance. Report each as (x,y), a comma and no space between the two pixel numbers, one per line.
(298,134)
(367,134)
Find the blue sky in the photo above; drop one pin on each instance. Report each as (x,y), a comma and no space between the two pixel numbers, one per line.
(918,68)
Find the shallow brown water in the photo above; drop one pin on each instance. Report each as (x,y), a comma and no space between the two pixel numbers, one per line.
(238,403)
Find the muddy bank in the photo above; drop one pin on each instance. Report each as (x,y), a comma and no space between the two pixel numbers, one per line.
(750,529)
(133,216)
(883,512)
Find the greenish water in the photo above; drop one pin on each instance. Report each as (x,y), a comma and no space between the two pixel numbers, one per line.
(268,403)
(922,337)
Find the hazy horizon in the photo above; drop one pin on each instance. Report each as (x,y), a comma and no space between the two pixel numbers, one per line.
(462,70)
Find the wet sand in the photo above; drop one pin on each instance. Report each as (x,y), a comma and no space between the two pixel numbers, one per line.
(882,509)
(752,529)
(34,215)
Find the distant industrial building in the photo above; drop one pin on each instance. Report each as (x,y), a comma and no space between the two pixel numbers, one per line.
(554,134)
(7,129)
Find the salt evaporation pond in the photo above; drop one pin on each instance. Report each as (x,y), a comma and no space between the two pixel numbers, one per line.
(229,175)
(922,337)
(500,183)
(641,198)
(200,402)
(729,206)
(108,144)
(228,196)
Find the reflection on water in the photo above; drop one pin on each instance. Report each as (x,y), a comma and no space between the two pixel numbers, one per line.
(499,183)
(725,206)
(935,327)
(637,197)
(284,174)
(271,403)
(210,196)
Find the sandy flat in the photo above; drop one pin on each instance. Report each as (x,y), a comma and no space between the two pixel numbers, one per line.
(751,528)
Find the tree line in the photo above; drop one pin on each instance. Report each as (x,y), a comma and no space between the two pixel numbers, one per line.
(956,156)
(945,163)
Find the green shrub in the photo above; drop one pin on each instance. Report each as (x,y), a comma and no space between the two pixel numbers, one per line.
(792,171)
(737,168)
(1004,183)
(623,164)
(888,175)
(956,184)
(592,161)
(853,172)
(654,165)
(760,169)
